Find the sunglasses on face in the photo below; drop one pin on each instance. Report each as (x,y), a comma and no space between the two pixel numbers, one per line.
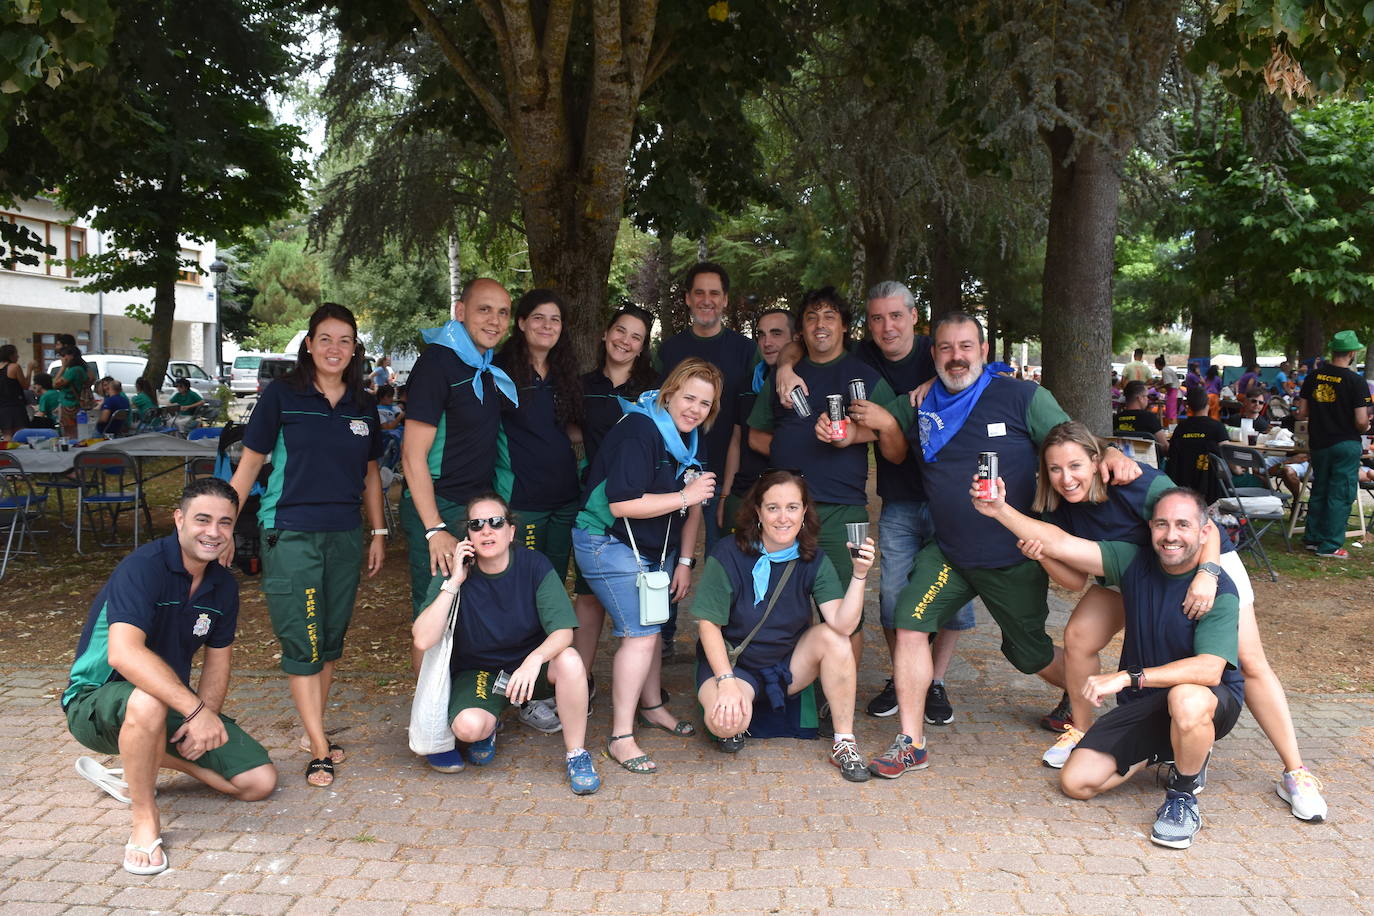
(497,522)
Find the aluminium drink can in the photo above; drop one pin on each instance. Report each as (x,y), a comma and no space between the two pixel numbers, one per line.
(988,473)
(858,391)
(834,407)
(799,403)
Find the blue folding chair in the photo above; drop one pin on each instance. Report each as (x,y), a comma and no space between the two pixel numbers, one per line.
(33,435)
(22,505)
(110,483)
(204,432)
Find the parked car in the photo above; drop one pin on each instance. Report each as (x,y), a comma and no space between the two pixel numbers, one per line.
(244,375)
(127,369)
(272,367)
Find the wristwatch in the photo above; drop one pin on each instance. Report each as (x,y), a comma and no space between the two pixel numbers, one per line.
(689,562)
(1211,569)
(377,531)
(1137,675)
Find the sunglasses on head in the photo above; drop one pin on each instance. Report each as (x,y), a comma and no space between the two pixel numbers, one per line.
(497,522)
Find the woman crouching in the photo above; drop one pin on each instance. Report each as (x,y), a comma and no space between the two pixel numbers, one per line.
(754,607)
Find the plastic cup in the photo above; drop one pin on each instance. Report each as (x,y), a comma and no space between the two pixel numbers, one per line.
(855,532)
(498,686)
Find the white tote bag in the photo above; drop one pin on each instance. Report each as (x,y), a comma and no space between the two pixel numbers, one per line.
(430,732)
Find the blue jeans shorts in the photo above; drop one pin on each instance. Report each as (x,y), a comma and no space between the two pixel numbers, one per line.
(904,527)
(608,566)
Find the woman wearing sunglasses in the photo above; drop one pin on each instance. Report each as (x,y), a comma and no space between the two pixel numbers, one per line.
(756,592)
(323,436)
(644,486)
(514,617)
(624,371)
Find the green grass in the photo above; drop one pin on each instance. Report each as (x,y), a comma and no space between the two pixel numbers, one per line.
(1301,564)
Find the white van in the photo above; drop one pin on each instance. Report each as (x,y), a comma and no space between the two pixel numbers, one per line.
(243,377)
(128,369)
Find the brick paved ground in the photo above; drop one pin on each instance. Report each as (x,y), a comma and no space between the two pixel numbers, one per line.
(772,830)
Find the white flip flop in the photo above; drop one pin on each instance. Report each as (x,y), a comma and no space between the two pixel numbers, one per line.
(107,781)
(147,851)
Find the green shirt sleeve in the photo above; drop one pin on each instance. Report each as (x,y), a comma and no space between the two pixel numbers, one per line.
(827,586)
(1161,483)
(1043,415)
(1116,557)
(1218,632)
(432,592)
(882,392)
(901,410)
(761,417)
(555,610)
(714,597)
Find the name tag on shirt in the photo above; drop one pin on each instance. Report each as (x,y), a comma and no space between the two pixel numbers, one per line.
(997,429)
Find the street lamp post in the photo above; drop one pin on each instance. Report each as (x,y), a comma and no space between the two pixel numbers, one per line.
(219,269)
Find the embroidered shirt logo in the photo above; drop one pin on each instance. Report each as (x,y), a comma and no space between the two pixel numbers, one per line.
(358,427)
(202,625)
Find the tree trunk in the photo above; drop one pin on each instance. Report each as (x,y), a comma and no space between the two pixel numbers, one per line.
(946,274)
(1245,340)
(160,335)
(1369,361)
(1313,331)
(1076,322)
(992,330)
(858,272)
(672,314)
(1200,343)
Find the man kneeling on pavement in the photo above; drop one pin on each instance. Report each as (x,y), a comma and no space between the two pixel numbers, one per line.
(130,693)
(1178,689)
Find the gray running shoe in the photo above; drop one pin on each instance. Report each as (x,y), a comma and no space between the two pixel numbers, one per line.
(1177,821)
(541,715)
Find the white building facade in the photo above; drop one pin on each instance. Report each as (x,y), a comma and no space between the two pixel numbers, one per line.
(38,302)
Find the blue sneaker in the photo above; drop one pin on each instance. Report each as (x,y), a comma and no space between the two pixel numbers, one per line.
(1177,821)
(446,761)
(481,753)
(582,775)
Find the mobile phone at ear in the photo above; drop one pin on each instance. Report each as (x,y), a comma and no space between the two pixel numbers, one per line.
(467,560)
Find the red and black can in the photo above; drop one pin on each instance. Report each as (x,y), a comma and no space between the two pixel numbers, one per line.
(834,407)
(858,391)
(988,473)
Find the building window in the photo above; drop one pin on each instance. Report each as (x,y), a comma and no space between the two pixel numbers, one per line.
(70,242)
(189,274)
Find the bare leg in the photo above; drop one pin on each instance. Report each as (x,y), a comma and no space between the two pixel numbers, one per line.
(308,693)
(1191,707)
(911,675)
(890,637)
(822,653)
(942,652)
(473,724)
(707,697)
(1053,673)
(635,665)
(569,680)
(1264,694)
(142,738)
(590,617)
(1097,617)
(1089,773)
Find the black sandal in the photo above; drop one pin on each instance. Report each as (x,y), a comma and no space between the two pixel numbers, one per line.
(319,765)
(682,728)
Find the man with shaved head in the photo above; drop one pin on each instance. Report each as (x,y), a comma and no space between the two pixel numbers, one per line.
(449,451)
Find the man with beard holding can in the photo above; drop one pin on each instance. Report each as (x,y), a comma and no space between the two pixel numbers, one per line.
(969,411)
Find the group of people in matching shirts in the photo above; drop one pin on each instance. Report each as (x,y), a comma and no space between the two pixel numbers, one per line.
(744,441)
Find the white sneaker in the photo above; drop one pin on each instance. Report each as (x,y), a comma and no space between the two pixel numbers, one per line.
(1303,792)
(1058,755)
(541,715)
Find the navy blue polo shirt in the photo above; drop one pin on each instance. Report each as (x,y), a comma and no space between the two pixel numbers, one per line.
(734,355)
(1010,418)
(833,475)
(900,482)
(752,464)
(601,408)
(151,589)
(1157,630)
(502,618)
(319,456)
(632,461)
(725,597)
(1125,515)
(536,467)
(462,459)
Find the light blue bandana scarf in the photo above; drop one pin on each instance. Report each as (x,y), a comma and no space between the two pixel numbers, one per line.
(454,336)
(685,453)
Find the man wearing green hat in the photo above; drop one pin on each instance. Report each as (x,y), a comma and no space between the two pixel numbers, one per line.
(1335,402)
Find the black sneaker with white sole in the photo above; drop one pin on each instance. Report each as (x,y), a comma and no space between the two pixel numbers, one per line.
(885,703)
(938,708)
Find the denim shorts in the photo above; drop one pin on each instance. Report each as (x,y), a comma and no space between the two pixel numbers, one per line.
(608,566)
(904,527)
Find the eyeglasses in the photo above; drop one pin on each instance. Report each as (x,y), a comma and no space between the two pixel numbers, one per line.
(497,522)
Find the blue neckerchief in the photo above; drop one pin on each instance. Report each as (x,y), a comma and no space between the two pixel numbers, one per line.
(454,336)
(760,371)
(763,566)
(942,414)
(685,453)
